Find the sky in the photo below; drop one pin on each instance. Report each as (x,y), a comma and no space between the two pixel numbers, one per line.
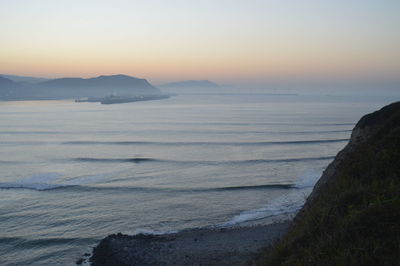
(227,41)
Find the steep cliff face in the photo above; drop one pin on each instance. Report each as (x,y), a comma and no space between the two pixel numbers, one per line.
(369,125)
(352,217)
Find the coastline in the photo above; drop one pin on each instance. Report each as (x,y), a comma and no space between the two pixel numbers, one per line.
(223,246)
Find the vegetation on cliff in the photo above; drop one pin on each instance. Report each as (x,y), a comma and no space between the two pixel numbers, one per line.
(353,215)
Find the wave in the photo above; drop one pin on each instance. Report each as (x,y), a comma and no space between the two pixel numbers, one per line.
(42,181)
(287,204)
(31,132)
(144,231)
(219,123)
(50,181)
(18,241)
(43,186)
(191,190)
(33,186)
(213,131)
(290,132)
(281,206)
(114,160)
(204,143)
(12,162)
(255,187)
(85,186)
(233,162)
(178,143)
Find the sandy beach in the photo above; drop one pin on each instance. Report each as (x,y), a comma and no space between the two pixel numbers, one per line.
(232,246)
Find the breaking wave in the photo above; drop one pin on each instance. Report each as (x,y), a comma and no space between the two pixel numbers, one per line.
(233,162)
(84,186)
(289,203)
(49,181)
(114,160)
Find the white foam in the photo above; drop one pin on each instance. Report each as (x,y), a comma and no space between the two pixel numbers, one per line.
(47,181)
(288,203)
(309,179)
(34,186)
(42,181)
(145,231)
(283,205)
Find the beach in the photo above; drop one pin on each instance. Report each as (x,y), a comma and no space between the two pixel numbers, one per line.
(223,246)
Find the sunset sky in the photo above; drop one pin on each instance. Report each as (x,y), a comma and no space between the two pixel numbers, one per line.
(227,41)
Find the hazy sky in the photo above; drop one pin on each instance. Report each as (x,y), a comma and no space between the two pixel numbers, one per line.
(228,41)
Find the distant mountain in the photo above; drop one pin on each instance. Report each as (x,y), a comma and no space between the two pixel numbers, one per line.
(6,83)
(191,84)
(7,87)
(114,81)
(24,78)
(67,88)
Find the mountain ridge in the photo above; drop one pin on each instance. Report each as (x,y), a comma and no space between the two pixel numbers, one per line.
(73,87)
(28,79)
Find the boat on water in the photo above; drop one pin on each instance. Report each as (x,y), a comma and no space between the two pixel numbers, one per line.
(89,100)
(125,99)
(113,99)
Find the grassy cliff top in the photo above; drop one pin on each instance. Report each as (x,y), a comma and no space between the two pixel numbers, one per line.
(353,215)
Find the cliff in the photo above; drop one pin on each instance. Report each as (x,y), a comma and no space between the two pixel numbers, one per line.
(352,217)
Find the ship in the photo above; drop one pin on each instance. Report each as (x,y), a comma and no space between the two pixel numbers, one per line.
(127,99)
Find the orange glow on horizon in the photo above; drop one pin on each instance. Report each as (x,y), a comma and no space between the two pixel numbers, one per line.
(259,40)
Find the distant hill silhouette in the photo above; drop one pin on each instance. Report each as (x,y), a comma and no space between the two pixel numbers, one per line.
(191,84)
(6,83)
(7,87)
(18,78)
(67,88)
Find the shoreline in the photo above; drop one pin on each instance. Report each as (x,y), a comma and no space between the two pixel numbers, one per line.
(206,246)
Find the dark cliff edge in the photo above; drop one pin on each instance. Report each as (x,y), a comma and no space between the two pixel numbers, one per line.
(352,217)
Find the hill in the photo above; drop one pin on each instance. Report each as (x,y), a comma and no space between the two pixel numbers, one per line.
(7,87)
(352,217)
(6,83)
(69,88)
(99,86)
(17,78)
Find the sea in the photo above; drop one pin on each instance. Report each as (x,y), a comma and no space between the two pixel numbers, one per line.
(73,173)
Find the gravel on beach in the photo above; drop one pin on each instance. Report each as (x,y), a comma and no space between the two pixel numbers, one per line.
(227,246)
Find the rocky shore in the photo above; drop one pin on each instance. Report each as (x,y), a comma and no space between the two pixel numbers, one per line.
(232,246)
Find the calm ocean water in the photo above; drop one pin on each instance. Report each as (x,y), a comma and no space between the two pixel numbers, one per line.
(72,173)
